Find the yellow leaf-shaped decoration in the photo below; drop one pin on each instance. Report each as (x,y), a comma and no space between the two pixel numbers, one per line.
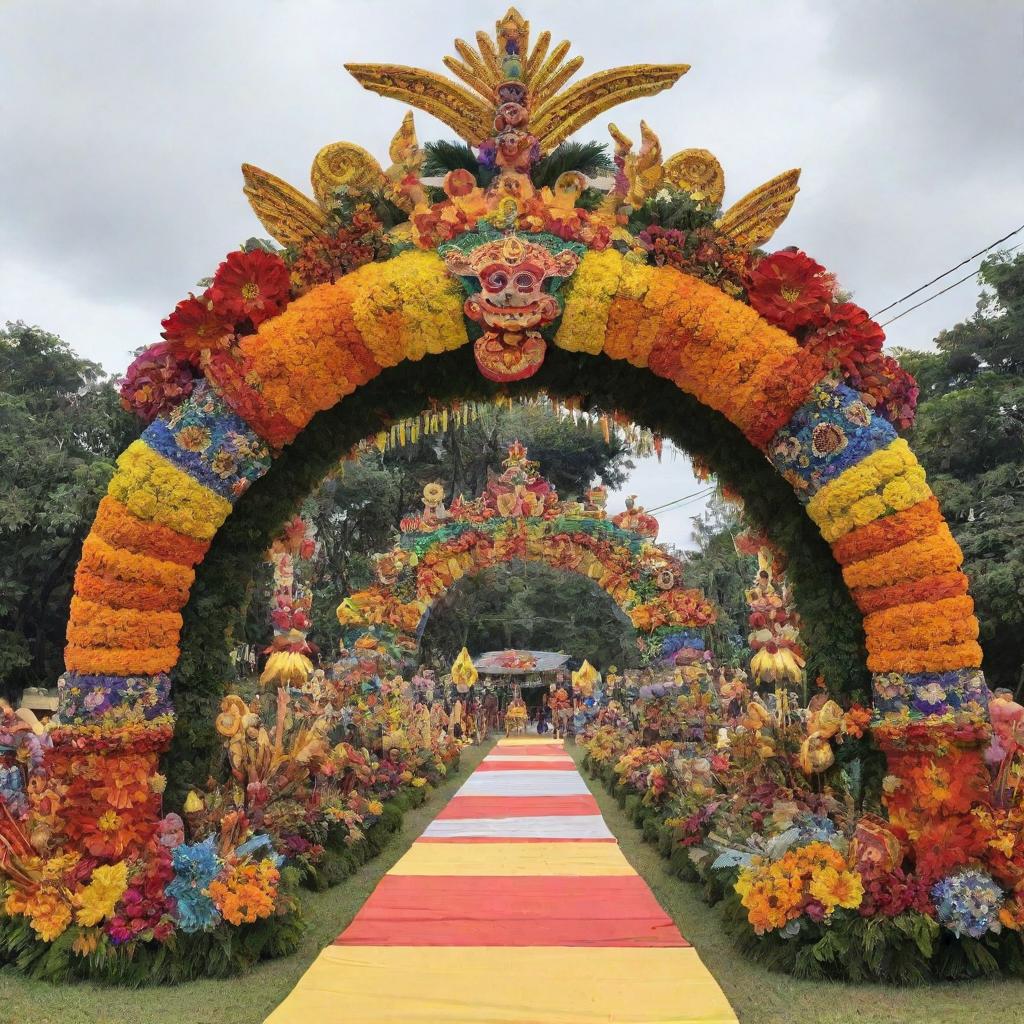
(568,111)
(290,217)
(458,108)
(464,672)
(757,216)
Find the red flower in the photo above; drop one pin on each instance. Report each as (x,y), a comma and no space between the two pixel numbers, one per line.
(156,382)
(789,289)
(251,285)
(195,326)
(848,335)
(946,843)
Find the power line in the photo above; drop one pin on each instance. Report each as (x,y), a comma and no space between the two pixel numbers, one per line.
(924,302)
(682,500)
(951,270)
(684,497)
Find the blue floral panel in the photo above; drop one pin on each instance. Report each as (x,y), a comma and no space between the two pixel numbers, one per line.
(832,431)
(203,437)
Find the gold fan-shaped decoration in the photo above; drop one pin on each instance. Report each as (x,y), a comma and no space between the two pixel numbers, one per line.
(757,216)
(343,164)
(555,113)
(698,172)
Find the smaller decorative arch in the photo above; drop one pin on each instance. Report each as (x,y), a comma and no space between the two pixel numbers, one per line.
(519,517)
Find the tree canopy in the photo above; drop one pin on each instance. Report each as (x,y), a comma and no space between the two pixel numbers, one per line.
(969,436)
(61,427)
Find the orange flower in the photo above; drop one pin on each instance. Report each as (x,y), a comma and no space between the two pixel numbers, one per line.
(918,521)
(120,529)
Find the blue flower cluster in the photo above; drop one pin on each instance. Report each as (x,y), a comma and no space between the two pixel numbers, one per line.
(929,693)
(968,902)
(195,867)
(203,437)
(82,699)
(833,430)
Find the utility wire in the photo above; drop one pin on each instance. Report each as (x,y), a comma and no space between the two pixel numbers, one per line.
(928,284)
(950,287)
(682,500)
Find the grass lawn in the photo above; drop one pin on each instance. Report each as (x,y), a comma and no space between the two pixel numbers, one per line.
(762,997)
(244,1000)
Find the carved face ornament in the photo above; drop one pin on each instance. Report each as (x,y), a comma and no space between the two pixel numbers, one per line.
(511,303)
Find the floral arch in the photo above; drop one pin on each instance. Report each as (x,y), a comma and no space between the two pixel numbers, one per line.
(509,252)
(520,517)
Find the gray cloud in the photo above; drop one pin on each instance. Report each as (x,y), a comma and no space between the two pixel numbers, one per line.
(124,124)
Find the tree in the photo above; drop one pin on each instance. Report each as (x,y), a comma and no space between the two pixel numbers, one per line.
(357,509)
(718,569)
(61,428)
(531,607)
(969,436)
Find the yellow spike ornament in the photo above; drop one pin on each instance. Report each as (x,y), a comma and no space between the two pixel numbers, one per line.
(584,679)
(489,71)
(464,673)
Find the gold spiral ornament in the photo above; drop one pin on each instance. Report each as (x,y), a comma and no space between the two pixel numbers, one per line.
(698,172)
(343,164)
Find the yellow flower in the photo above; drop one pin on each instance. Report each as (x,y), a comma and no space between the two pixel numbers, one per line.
(419,782)
(193,802)
(99,898)
(193,438)
(48,913)
(832,888)
(375,807)
(109,821)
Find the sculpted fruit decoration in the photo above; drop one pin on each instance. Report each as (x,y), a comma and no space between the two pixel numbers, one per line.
(520,490)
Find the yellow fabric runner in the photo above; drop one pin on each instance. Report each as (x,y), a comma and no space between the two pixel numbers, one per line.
(442,985)
(537,858)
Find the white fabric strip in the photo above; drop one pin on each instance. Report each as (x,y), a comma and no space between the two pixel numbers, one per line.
(556,826)
(524,783)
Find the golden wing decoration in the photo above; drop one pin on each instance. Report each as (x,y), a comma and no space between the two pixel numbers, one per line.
(405,149)
(470,117)
(757,216)
(649,170)
(564,113)
(343,164)
(290,217)
(698,172)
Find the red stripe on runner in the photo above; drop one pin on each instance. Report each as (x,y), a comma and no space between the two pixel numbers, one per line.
(465,910)
(518,806)
(524,766)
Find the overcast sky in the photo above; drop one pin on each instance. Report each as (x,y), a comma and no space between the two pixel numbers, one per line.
(122,126)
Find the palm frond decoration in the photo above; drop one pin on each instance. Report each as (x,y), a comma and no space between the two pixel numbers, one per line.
(589,158)
(445,155)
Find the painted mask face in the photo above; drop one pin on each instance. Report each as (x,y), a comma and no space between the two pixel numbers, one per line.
(512,298)
(511,303)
